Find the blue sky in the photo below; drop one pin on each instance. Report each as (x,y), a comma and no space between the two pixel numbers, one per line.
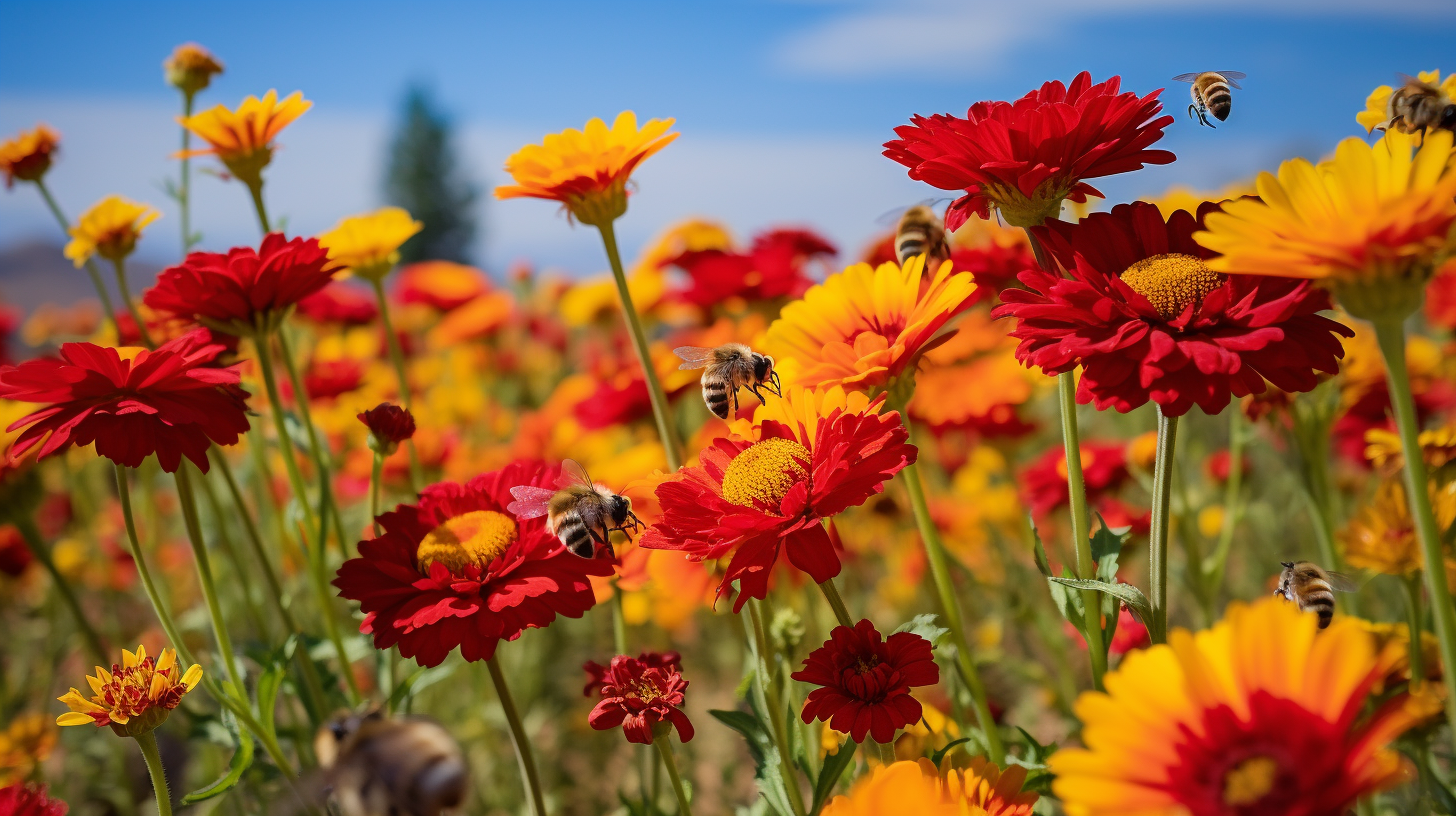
(782,105)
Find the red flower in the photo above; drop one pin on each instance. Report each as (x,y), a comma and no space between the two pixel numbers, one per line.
(864,682)
(246,290)
(1441,298)
(639,698)
(1025,157)
(456,569)
(326,379)
(9,322)
(596,673)
(170,402)
(1044,482)
(339,303)
(14,555)
(388,425)
(751,499)
(1219,465)
(22,799)
(610,405)
(772,268)
(1148,320)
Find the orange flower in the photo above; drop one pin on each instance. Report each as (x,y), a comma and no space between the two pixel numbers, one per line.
(132,698)
(981,789)
(28,156)
(243,139)
(109,229)
(190,68)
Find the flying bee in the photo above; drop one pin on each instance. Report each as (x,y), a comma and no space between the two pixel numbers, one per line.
(728,368)
(921,232)
(1312,588)
(1211,93)
(580,512)
(375,765)
(1416,106)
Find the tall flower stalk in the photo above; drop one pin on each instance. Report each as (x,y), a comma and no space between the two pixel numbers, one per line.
(530,776)
(90,263)
(1158,533)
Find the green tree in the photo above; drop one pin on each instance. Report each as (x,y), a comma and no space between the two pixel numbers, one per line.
(425,177)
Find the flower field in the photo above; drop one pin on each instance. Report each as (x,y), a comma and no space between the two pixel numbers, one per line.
(1042,503)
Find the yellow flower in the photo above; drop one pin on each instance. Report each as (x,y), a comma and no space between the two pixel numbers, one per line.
(1373,222)
(132,698)
(110,228)
(28,156)
(919,788)
(804,407)
(597,299)
(190,68)
(368,244)
(24,744)
(243,139)
(1377,106)
(864,327)
(1382,536)
(586,170)
(1382,449)
(1180,197)
(1251,716)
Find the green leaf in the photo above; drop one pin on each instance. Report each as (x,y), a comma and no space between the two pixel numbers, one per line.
(1136,602)
(1068,602)
(1038,551)
(1036,753)
(766,759)
(268,683)
(949,746)
(1106,547)
(924,626)
(241,761)
(834,767)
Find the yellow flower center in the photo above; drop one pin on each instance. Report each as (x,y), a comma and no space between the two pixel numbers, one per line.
(1249,781)
(1171,282)
(765,472)
(473,538)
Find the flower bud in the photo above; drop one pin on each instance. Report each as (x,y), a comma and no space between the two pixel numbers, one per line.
(389,425)
(190,68)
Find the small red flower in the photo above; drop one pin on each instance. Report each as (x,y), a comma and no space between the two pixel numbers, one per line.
(640,698)
(339,303)
(612,405)
(457,569)
(773,267)
(864,681)
(1131,634)
(1441,298)
(596,673)
(1146,318)
(388,425)
(9,322)
(752,499)
(169,401)
(14,555)
(24,799)
(326,379)
(246,290)
(1025,157)
(1044,482)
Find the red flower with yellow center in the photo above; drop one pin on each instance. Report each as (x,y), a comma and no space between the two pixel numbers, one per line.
(456,569)
(132,698)
(1025,157)
(752,499)
(28,156)
(1258,716)
(1147,319)
(642,698)
(864,681)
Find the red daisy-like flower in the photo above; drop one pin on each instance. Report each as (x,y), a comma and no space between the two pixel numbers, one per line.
(247,290)
(864,681)
(773,267)
(25,799)
(326,379)
(752,499)
(596,673)
(339,303)
(456,569)
(1146,318)
(1044,482)
(131,402)
(1025,157)
(641,698)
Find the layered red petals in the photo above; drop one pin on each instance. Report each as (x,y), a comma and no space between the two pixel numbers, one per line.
(428,613)
(639,696)
(234,289)
(168,401)
(864,682)
(773,267)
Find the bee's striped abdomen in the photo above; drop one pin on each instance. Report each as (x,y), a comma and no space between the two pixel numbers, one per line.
(1319,598)
(908,244)
(715,394)
(574,534)
(1218,98)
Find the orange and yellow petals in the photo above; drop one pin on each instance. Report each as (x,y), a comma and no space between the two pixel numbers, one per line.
(368,244)
(575,163)
(134,697)
(110,228)
(241,133)
(27,156)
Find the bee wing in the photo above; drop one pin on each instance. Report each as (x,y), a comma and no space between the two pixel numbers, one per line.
(1189,77)
(693,357)
(1233,75)
(1340,582)
(572,473)
(530,501)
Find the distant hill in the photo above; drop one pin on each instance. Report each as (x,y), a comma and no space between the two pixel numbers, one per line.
(35,272)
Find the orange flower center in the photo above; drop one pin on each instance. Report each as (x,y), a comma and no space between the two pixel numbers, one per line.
(1171,282)
(1249,781)
(474,538)
(765,472)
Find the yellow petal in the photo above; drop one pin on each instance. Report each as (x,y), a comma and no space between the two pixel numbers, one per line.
(192,677)
(74,718)
(96,684)
(159,685)
(167,660)
(129,660)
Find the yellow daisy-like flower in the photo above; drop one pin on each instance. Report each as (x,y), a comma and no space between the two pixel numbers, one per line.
(1373,222)
(368,244)
(1382,536)
(586,170)
(190,68)
(1382,449)
(806,407)
(1378,112)
(919,788)
(24,744)
(865,326)
(243,139)
(132,698)
(1252,717)
(28,155)
(109,229)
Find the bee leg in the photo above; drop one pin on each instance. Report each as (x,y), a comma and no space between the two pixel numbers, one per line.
(735,402)
(778,388)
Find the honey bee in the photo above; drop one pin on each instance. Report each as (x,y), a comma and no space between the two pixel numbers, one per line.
(375,765)
(580,512)
(1312,588)
(921,231)
(728,368)
(1416,106)
(1211,93)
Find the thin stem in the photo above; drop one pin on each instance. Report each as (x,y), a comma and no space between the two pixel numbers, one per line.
(255,540)
(763,678)
(406,394)
(886,752)
(529,775)
(244,579)
(1412,585)
(204,575)
(1158,534)
(1316,458)
(89,264)
(184,189)
(1391,335)
(664,750)
(125,290)
(376,476)
(619,621)
(328,508)
(255,189)
(831,594)
(148,743)
(666,430)
(36,543)
(1081,527)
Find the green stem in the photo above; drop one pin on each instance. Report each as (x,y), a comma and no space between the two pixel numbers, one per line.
(886,751)
(666,430)
(1391,334)
(204,575)
(831,594)
(1158,534)
(36,543)
(148,743)
(255,540)
(328,508)
(376,476)
(406,394)
(255,189)
(90,264)
(125,290)
(664,750)
(763,678)
(244,578)
(1318,492)
(529,775)
(1412,586)
(940,573)
(1081,526)
(184,190)
(619,621)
